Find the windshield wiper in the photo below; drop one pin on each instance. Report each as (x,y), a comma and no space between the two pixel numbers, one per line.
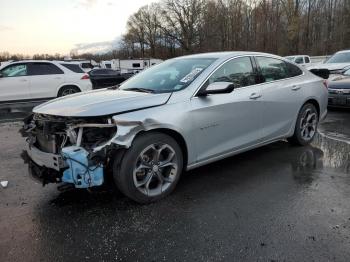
(139,89)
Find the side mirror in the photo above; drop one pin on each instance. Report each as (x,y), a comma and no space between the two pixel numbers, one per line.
(323,73)
(217,88)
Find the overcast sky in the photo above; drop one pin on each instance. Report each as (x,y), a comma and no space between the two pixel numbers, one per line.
(56,26)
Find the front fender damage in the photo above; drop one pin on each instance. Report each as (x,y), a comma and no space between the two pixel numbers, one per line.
(126,132)
(85,166)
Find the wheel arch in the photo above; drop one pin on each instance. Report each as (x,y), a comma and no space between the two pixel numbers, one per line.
(176,136)
(67,85)
(314,102)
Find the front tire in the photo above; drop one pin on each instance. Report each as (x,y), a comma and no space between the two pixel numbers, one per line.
(306,126)
(150,169)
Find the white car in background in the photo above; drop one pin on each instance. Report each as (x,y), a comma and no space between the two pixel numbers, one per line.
(336,64)
(35,81)
(303,60)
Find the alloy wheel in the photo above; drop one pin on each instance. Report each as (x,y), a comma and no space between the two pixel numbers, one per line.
(308,124)
(156,168)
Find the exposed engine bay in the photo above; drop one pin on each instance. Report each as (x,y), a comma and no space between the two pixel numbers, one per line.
(68,149)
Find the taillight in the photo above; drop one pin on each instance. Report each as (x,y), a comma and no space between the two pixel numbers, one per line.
(325,83)
(86,76)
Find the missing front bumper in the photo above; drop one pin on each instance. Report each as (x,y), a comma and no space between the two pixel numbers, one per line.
(43,159)
(71,167)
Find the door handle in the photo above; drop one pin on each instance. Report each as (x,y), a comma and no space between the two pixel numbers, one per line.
(295,88)
(23,80)
(58,77)
(255,96)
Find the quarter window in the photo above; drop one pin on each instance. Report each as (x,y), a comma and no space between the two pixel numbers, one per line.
(238,71)
(73,67)
(15,70)
(272,69)
(87,65)
(44,69)
(293,70)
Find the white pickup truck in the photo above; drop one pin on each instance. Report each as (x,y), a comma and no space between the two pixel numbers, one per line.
(303,60)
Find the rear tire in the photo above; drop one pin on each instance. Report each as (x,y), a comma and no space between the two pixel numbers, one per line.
(306,126)
(150,169)
(68,90)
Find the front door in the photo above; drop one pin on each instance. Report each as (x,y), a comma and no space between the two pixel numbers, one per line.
(14,84)
(228,122)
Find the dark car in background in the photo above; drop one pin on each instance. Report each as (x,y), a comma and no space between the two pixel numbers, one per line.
(339,90)
(101,78)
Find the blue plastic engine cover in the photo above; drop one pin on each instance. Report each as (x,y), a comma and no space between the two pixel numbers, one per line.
(79,173)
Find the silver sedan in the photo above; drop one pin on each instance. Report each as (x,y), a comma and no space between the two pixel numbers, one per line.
(181,114)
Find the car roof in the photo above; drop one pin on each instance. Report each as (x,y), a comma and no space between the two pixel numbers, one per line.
(35,61)
(226,54)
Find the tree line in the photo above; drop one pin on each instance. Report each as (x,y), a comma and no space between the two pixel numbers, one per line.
(170,28)
(176,27)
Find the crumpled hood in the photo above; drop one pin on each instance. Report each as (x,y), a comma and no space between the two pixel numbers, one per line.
(330,66)
(100,102)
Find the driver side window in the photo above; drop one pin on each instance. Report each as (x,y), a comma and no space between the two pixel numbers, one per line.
(238,71)
(15,70)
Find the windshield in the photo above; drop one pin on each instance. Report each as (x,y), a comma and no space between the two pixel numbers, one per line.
(339,58)
(290,58)
(169,76)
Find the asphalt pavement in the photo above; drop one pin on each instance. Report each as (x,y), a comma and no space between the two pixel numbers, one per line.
(275,203)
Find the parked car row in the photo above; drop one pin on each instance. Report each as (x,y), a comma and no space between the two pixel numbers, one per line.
(36,81)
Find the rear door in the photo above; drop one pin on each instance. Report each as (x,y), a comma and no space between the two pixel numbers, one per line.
(281,95)
(45,79)
(14,83)
(229,122)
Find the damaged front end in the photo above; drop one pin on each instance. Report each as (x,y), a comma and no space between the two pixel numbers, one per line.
(73,150)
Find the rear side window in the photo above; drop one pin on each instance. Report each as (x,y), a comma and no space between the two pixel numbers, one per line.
(87,65)
(239,71)
(307,59)
(73,67)
(293,70)
(43,69)
(272,69)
